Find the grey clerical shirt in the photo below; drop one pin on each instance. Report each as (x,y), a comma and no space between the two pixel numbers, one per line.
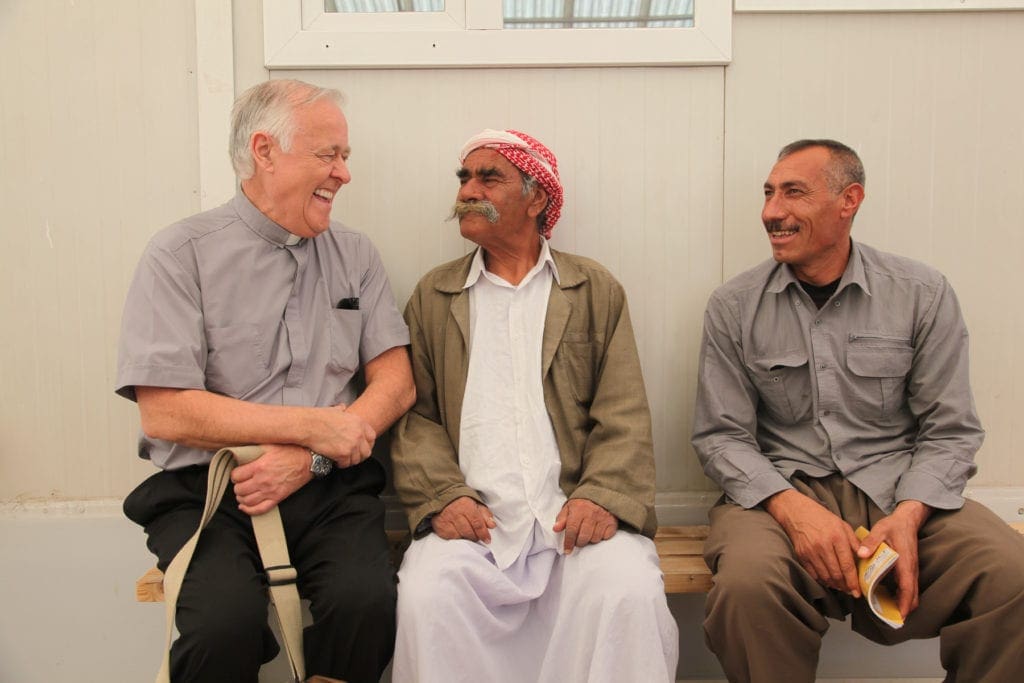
(230,302)
(874,385)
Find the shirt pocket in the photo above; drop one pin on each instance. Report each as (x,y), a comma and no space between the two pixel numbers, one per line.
(346,332)
(579,353)
(236,359)
(784,384)
(878,365)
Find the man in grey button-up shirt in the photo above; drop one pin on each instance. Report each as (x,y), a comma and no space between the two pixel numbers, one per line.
(834,393)
(254,323)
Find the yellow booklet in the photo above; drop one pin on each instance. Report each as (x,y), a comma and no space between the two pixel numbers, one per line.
(871,571)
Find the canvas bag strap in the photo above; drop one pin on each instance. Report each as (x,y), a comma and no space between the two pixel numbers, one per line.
(273,552)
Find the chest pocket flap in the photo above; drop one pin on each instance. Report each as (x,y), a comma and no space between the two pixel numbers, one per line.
(875,361)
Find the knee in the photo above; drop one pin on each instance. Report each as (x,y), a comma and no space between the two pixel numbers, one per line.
(625,568)
(365,597)
(745,578)
(232,620)
(998,577)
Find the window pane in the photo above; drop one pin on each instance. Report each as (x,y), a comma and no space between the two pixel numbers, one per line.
(538,14)
(375,6)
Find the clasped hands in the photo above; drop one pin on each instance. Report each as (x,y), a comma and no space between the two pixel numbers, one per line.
(283,469)
(828,549)
(583,521)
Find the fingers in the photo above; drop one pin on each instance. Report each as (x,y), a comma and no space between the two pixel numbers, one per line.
(831,560)
(899,530)
(275,475)
(347,438)
(906,581)
(464,518)
(584,522)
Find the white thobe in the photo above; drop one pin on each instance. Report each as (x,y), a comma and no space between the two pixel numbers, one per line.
(507,448)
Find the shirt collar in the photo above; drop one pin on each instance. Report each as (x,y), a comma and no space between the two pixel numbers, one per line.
(477,267)
(258,222)
(854,274)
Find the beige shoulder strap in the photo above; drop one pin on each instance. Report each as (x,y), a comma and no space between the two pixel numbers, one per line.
(269,532)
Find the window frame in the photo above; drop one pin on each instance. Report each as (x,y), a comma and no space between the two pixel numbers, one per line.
(299,34)
(875,5)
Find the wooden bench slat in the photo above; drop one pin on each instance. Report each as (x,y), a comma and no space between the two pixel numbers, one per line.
(669,532)
(679,547)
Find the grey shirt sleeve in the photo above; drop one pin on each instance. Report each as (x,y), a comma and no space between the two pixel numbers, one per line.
(939,395)
(162,342)
(725,418)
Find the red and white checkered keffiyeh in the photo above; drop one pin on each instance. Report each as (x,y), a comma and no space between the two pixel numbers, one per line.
(531,157)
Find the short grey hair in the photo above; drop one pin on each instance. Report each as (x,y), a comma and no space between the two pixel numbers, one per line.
(845,167)
(529,184)
(268,108)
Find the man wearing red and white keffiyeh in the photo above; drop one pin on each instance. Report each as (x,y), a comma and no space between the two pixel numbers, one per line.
(526,465)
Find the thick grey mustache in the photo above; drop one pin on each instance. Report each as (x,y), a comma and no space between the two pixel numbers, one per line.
(775,226)
(483,207)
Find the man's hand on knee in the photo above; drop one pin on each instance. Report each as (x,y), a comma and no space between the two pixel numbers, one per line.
(464,518)
(584,522)
(272,477)
(824,543)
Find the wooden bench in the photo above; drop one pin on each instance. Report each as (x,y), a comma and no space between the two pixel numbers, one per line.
(679,547)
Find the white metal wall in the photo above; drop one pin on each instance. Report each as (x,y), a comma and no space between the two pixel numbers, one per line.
(98,148)
(932,103)
(98,126)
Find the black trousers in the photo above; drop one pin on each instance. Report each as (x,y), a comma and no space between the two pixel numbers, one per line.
(335,532)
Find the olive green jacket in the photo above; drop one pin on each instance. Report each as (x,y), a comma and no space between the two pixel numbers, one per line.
(592,382)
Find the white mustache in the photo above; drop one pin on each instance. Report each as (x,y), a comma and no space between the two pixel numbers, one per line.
(482,207)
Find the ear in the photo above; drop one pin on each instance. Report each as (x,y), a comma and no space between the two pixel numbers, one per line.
(262,146)
(852,197)
(539,201)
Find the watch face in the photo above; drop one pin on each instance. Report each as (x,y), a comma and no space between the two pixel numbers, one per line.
(321,465)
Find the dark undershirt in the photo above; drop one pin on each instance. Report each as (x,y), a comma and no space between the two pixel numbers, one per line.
(819,295)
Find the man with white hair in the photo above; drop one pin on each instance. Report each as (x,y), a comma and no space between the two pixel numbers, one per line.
(526,465)
(254,323)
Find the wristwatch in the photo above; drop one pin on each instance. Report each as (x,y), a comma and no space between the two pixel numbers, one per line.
(321,465)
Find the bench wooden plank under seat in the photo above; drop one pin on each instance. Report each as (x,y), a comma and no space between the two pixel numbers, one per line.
(679,547)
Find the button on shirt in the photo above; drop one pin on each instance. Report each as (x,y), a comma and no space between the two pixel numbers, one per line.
(230,302)
(507,448)
(873,385)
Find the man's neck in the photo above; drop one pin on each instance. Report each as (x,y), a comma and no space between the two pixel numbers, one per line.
(825,270)
(512,265)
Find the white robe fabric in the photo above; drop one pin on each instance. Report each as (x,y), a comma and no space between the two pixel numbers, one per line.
(598,615)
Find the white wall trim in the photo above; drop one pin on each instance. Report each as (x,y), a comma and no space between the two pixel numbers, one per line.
(215,93)
(674,508)
(60,509)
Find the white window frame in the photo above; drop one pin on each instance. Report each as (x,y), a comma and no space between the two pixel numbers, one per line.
(875,5)
(298,34)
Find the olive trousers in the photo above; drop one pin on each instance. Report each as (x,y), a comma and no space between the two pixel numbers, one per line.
(765,615)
